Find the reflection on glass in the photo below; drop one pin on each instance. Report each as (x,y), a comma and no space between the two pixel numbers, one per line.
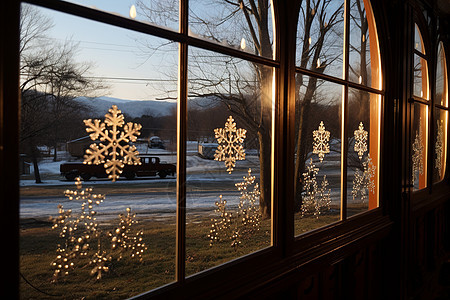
(440,145)
(244,25)
(320,34)
(161,13)
(229,159)
(419,149)
(80,228)
(418,42)
(317,153)
(420,88)
(441,78)
(364,64)
(363,149)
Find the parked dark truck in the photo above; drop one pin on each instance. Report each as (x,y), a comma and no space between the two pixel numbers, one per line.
(151,166)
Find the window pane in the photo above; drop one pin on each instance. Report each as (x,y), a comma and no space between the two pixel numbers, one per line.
(420,77)
(244,25)
(70,234)
(364,66)
(317,153)
(419,142)
(363,151)
(418,41)
(440,145)
(229,159)
(320,34)
(162,12)
(441,78)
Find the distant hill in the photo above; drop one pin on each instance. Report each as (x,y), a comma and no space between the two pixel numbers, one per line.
(100,105)
(136,108)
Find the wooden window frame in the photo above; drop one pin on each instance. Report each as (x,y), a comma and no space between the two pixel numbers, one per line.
(287,253)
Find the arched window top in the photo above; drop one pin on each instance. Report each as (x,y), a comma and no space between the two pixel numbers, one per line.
(321,44)
(418,40)
(441,77)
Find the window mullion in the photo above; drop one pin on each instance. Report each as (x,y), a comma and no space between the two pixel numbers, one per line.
(344,146)
(181,146)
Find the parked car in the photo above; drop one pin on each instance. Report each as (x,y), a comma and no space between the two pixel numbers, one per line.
(150,166)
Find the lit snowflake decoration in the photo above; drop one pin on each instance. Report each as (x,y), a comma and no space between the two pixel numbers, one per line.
(360,140)
(417,156)
(439,147)
(321,144)
(230,141)
(116,152)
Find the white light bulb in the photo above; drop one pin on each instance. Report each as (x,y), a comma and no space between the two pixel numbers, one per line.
(133,11)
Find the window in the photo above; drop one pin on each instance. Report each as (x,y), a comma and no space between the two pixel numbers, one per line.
(441,116)
(420,115)
(150,149)
(338,98)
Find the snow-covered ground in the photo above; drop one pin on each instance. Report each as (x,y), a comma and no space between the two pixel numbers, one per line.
(206,179)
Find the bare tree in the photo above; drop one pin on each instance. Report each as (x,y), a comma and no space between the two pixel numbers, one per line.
(248,94)
(50,79)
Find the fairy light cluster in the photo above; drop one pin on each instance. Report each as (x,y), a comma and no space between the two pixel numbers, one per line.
(221,224)
(82,236)
(127,242)
(244,222)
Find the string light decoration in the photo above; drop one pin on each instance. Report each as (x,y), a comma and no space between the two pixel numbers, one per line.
(316,198)
(244,222)
(113,150)
(364,181)
(221,224)
(122,237)
(321,141)
(80,230)
(230,141)
(248,209)
(439,147)
(100,261)
(417,154)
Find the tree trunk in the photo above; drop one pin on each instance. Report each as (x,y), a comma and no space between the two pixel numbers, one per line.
(34,159)
(265,203)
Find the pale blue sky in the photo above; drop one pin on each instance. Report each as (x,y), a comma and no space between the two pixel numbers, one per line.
(118,53)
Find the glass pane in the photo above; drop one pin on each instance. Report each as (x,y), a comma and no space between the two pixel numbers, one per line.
(244,25)
(418,41)
(320,37)
(419,146)
(95,233)
(364,66)
(363,151)
(229,159)
(440,145)
(317,153)
(420,77)
(162,12)
(441,78)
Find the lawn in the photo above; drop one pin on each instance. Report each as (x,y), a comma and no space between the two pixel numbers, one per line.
(128,277)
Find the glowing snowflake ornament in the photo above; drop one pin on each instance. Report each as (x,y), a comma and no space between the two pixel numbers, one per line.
(230,141)
(113,150)
(321,144)
(360,140)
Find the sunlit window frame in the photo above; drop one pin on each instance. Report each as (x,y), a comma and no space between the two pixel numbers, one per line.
(261,266)
(346,83)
